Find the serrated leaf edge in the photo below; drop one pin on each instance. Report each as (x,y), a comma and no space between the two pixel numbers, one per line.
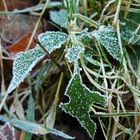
(95,34)
(14,85)
(68,49)
(60,105)
(54,47)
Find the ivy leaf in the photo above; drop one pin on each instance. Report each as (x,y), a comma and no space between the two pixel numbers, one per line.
(23,64)
(108,38)
(52,40)
(80,100)
(59,17)
(73,53)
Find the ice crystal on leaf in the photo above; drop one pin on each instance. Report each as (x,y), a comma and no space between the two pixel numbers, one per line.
(52,40)
(25,61)
(108,38)
(80,100)
(85,37)
(130,31)
(23,64)
(73,53)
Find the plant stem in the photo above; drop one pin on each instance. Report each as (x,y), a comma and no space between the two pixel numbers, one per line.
(49,56)
(117,12)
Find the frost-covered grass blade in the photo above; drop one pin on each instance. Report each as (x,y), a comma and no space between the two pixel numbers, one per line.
(80,100)
(33,128)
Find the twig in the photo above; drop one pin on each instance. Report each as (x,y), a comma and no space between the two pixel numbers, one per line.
(2,71)
(48,55)
(5,7)
(37,24)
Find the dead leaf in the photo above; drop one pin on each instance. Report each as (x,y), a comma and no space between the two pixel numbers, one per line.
(17,4)
(21,44)
(17,26)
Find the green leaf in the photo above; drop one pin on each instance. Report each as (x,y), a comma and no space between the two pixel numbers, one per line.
(52,40)
(108,38)
(88,55)
(23,64)
(85,37)
(130,29)
(25,61)
(33,128)
(134,17)
(80,100)
(73,53)
(59,17)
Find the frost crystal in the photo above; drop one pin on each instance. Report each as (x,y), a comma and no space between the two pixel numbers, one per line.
(80,100)
(23,64)
(25,61)
(59,17)
(130,31)
(52,40)
(73,53)
(108,38)
(85,37)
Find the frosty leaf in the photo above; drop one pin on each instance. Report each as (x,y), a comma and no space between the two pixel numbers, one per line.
(108,38)
(88,55)
(85,37)
(73,53)
(134,17)
(25,61)
(33,128)
(59,17)
(130,29)
(86,40)
(52,40)
(23,64)
(80,100)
